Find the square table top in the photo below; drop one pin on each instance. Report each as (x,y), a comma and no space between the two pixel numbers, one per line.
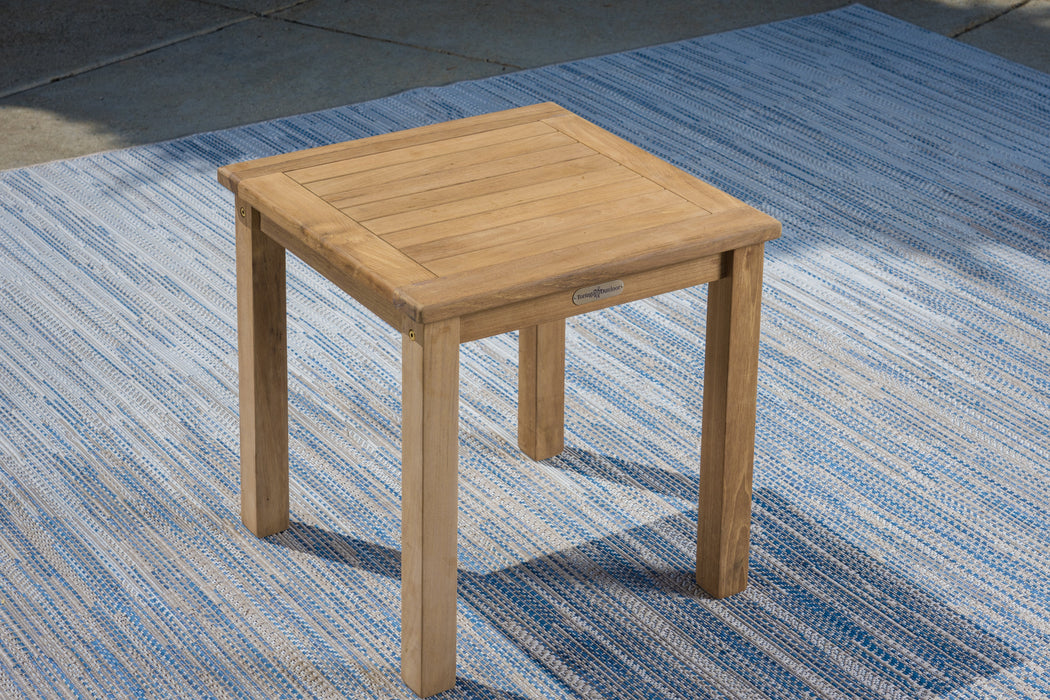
(467,215)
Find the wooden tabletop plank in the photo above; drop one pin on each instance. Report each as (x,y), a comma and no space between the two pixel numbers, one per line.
(500,200)
(232,175)
(455,176)
(589,217)
(414,152)
(594,233)
(550,271)
(526,211)
(472,164)
(476,189)
(697,191)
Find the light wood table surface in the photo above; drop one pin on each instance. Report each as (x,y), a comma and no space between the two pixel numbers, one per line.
(514,220)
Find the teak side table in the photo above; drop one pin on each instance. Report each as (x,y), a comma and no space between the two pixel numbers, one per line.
(514,220)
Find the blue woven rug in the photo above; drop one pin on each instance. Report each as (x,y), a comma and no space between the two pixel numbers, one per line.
(901,522)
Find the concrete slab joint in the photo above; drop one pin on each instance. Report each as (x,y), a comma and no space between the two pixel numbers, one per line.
(78,78)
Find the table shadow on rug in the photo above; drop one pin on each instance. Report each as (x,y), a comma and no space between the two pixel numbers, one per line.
(622,615)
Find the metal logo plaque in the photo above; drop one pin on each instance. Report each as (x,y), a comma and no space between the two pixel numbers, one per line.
(596,292)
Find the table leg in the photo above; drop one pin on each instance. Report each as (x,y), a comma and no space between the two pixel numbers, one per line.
(541,389)
(263,367)
(728,442)
(429,468)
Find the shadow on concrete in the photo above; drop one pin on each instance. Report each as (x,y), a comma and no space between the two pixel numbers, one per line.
(130,72)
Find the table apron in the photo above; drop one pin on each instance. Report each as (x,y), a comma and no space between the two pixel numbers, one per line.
(360,291)
(519,314)
(560,305)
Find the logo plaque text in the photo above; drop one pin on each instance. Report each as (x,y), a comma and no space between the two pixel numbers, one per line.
(596,292)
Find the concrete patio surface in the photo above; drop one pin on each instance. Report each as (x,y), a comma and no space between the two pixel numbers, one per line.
(80,77)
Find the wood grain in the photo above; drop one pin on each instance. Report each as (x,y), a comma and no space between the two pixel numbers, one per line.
(584,220)
(263,376)
(230,176)
(663,173)
(519,213)
(450,169)
(349,255)
(429,463)
(573,179)
(410,153)
(548,271)
(462,255)
(559,305)
(541,389)
(441,193)
(728,441)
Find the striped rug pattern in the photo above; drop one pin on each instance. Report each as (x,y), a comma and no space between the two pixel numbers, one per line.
(901,520)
